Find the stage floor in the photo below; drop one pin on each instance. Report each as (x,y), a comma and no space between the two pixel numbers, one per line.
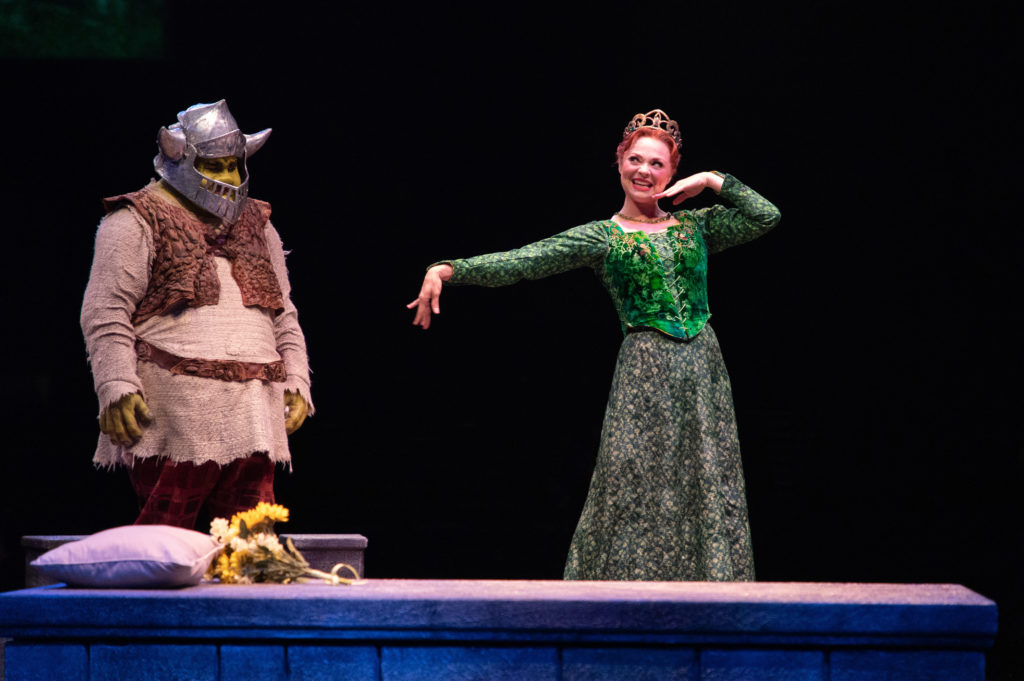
(386,630)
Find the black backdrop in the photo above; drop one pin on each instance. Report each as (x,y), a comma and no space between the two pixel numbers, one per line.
(871,337)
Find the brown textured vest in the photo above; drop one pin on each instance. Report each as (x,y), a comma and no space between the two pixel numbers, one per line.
(184,272)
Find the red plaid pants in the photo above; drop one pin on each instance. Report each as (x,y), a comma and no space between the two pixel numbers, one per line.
(172,493)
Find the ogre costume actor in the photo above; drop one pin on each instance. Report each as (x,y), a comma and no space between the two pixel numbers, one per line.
(197,356)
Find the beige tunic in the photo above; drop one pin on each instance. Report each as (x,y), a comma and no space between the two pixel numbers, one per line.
(194,419)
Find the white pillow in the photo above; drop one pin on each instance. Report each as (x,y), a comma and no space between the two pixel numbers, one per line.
(132,556)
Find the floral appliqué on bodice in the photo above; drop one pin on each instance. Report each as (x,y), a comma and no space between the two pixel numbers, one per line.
(659,279)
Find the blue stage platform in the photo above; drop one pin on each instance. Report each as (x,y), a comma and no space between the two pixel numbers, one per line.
(406,630)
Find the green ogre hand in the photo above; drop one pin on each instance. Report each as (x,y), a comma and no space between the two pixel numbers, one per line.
(295,411)
(122,421)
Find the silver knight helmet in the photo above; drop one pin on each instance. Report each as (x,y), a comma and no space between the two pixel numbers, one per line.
(206,131)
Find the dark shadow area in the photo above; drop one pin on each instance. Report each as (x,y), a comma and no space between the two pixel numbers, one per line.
(871,338)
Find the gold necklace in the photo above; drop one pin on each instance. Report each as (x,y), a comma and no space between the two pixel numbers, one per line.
(647,221)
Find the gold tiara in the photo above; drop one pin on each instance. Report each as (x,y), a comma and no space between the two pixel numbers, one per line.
(655,118)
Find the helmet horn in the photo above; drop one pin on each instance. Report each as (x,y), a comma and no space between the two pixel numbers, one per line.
(172,142)
(254,141)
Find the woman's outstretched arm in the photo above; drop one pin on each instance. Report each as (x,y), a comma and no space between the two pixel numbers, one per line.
(582,246)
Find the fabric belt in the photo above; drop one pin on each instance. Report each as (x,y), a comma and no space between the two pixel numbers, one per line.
(220,369)
(645,329)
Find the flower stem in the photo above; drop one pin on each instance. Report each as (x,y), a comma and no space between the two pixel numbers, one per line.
(332,576)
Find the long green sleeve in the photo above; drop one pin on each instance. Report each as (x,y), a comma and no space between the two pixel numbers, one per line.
(583,246)
(751,216)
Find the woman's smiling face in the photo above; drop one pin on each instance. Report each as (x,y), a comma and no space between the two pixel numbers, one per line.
(645,169)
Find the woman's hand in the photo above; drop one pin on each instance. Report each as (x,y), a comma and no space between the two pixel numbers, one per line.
(122,421)
(430,294)
(689,187)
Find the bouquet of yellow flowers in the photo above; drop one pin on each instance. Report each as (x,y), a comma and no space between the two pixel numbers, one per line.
(253,553)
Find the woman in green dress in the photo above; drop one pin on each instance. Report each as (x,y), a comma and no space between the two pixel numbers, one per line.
(666,499)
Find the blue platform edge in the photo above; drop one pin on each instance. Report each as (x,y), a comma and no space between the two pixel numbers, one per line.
(893,616)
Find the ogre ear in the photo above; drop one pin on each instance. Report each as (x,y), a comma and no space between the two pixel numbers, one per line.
(255,141)
(172,142)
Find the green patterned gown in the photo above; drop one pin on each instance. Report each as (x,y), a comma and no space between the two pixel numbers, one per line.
(667,498)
